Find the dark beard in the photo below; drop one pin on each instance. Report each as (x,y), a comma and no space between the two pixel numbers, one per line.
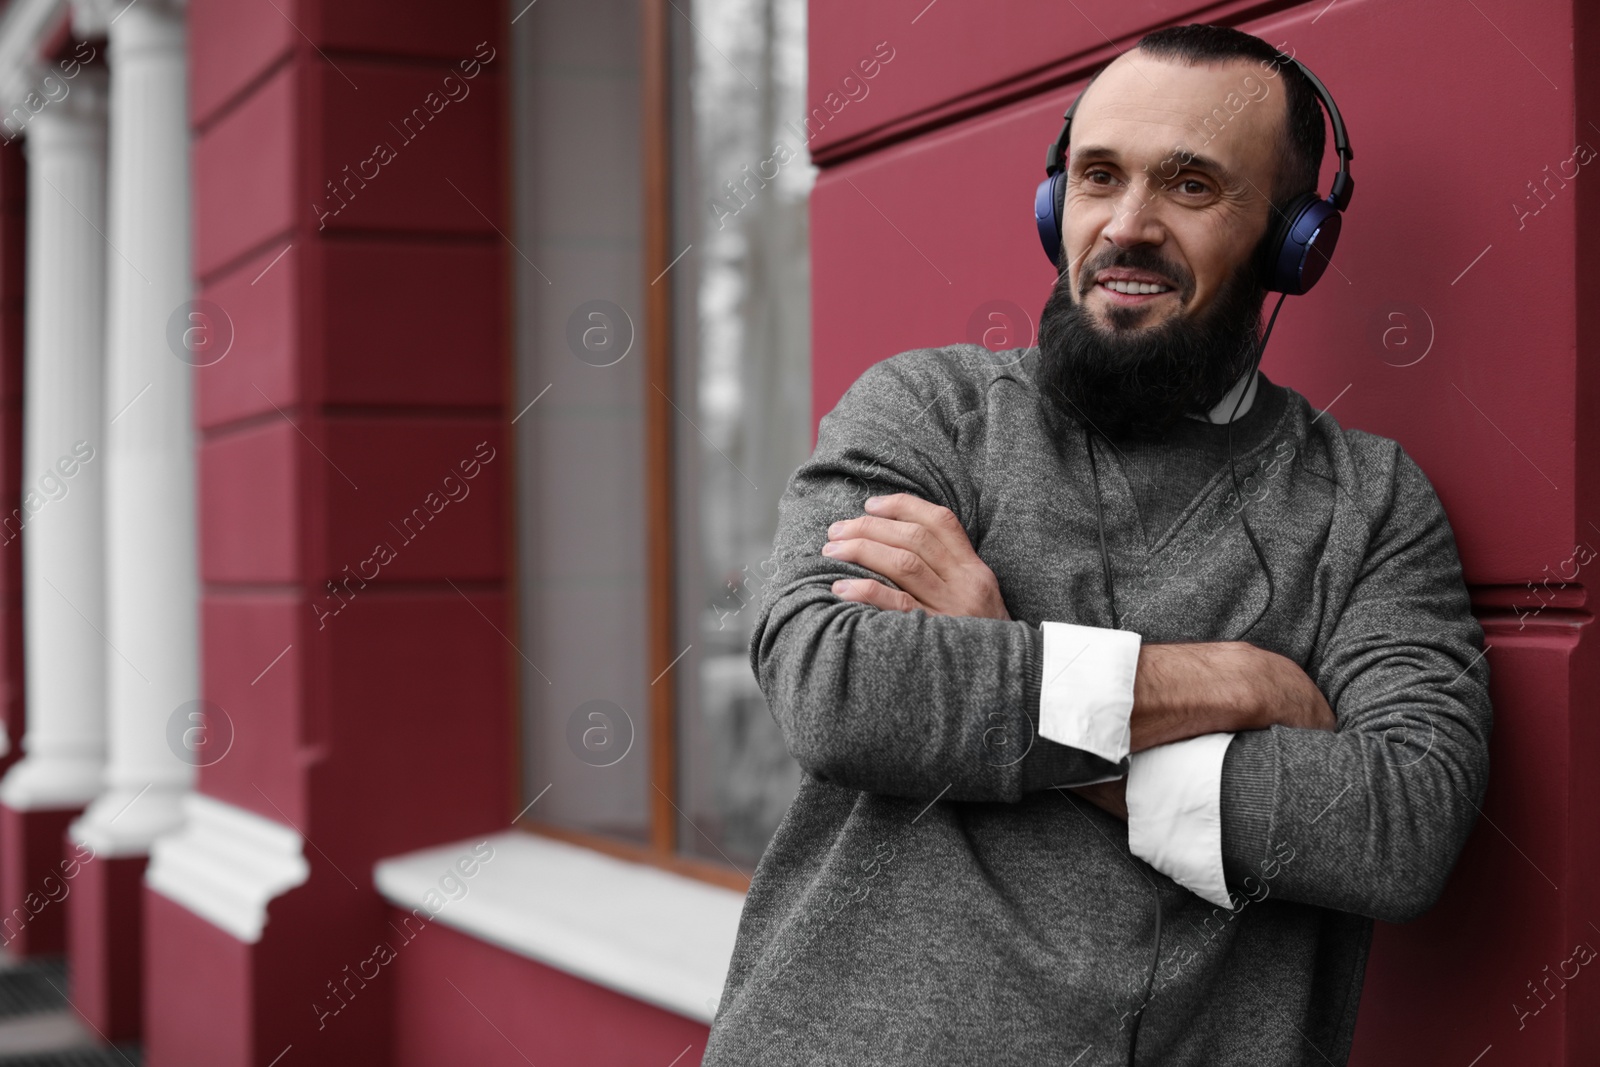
(1140,382)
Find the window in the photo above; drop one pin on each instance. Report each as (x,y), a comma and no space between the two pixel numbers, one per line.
(663,384)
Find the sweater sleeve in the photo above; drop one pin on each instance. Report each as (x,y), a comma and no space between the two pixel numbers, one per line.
(1370,817)
(902,703)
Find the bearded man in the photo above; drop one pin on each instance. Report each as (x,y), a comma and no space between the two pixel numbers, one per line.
(1105,758)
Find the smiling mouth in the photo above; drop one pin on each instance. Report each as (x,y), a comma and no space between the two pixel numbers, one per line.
(1133,294)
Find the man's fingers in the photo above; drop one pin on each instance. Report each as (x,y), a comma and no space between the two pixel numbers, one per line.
(901,566)
(937,519)
(871,591)
(913,537)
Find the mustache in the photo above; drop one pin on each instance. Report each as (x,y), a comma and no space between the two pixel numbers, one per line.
(1136,257)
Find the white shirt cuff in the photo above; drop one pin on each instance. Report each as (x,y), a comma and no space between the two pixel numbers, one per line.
(1175,813)
(1086,696)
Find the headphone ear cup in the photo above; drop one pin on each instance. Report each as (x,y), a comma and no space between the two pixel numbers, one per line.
(1302,244)
(1047,203)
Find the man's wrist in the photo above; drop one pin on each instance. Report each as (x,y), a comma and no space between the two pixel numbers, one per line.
(1184,690)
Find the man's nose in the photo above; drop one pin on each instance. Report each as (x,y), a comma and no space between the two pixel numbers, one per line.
(1135,218)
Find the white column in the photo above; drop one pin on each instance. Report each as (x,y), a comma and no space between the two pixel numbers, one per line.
(63,453)
(152,582)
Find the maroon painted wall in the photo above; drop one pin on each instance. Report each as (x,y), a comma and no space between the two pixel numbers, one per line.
(462,1000)
(367,293)
(922,216)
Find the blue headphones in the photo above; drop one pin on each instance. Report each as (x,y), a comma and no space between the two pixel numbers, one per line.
(1301,240)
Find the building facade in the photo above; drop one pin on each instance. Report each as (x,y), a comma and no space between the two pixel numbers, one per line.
(395,398)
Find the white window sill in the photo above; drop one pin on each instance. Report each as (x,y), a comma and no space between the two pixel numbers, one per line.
(642,931)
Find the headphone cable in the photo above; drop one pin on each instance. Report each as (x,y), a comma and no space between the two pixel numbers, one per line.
(1111,599)
(1233,471)
(1116,623)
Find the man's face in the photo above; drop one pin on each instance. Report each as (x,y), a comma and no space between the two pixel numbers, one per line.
(1170,169)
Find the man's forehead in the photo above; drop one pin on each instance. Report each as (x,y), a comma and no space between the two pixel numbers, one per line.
(1225,110)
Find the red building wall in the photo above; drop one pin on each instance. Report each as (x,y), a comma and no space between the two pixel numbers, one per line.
(367,292)
(462,1000)
(922,216)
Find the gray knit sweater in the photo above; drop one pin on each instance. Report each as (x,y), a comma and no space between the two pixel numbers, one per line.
(933,897)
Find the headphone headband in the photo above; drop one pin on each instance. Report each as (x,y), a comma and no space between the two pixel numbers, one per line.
(1310,224)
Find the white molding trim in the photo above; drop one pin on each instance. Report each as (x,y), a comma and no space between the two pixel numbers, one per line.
(642,931)
(226,865)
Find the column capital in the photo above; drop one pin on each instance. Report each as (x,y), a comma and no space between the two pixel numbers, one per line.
(23,32)
(18,81)
(33,87)
(93,18)
(41,95)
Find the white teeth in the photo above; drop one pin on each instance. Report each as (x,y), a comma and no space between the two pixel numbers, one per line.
(1135,288)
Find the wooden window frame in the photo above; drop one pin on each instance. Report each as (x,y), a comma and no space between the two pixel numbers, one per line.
(655,84)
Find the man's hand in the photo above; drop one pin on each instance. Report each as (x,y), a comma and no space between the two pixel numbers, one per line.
(1111,797)
(921,547)
(1279,692)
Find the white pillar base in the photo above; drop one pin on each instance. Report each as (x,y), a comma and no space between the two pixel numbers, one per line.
(52,780)
(125,821)
(227,864)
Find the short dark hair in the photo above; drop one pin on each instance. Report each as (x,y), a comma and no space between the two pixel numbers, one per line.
(1300,165)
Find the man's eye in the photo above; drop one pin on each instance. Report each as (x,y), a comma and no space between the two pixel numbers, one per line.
(1089,176)
(1199,187)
